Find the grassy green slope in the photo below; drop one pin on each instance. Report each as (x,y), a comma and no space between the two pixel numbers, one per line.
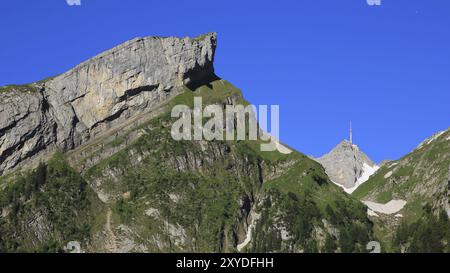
(421,178)
(206,188)
(171,196)
(44,209)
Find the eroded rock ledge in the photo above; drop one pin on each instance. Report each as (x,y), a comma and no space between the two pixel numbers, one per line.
(70,109)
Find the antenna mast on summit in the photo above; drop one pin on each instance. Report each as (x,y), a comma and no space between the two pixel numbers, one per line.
(351,133)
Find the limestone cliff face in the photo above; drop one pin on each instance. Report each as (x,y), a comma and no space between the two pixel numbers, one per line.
(114,86)
(26,128)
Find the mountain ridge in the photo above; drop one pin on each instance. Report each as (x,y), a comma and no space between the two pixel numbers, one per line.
(109,176)
(123,184)
(67,110)
(419,184)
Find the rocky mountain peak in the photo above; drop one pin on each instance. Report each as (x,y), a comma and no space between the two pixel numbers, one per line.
(347,165)
(345,145)
(104,91)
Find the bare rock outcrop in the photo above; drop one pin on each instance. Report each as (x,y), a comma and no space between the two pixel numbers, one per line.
(346,163)
(72,108)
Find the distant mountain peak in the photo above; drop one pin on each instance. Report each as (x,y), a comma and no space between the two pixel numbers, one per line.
(346,144)
(347,165)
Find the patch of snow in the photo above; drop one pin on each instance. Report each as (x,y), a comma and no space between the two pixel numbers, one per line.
(448,138)
(431,139)
(281,148)
(248,236)
(391,207)
(339,185)
(368,171)
(391,164)
(398,215)
(388,174)
(371,213)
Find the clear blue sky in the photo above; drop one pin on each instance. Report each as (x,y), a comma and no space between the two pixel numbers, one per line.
(324,62)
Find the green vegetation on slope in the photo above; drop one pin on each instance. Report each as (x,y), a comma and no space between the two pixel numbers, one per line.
(421,178)
(186,196)
(29,87)
(315,213)
(44,209)
(194,186)
(430,234)
(205,190)
(19,88)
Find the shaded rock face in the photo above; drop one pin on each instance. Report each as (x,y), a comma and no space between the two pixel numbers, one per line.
(345,164)
(116,85)
(26,127)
